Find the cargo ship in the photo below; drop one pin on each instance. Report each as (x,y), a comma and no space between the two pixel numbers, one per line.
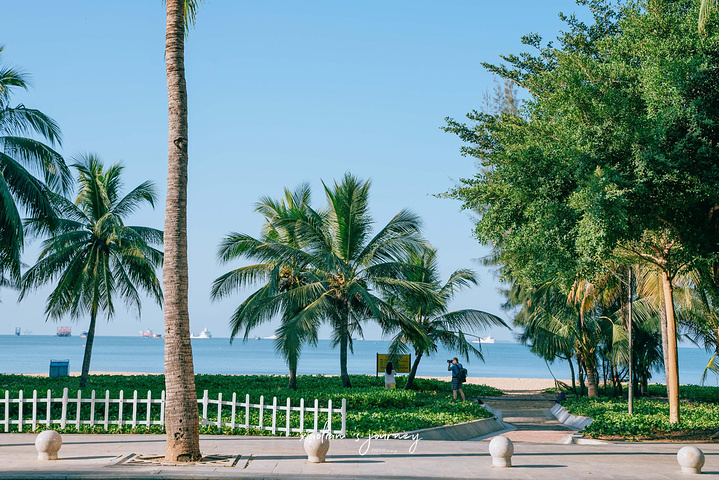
(64,331)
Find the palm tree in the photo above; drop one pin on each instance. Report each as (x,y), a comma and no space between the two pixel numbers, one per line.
(20,157)
(705,9)
(351,270)
(92,255)
(181,413)
(431,318)
(276,273)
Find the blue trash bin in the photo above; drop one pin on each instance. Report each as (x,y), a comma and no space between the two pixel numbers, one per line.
(59,368)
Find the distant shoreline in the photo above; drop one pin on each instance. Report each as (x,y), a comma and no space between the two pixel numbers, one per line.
(502,383)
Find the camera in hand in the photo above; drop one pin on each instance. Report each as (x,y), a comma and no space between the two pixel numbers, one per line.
(449,361)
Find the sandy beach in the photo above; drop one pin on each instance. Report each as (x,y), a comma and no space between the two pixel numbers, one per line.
(508,385)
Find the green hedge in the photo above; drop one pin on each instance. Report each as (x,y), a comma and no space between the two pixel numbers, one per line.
(650,418)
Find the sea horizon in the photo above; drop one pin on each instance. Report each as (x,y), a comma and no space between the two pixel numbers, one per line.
(31,354)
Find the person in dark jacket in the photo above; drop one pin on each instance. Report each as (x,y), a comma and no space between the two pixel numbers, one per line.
(454,366)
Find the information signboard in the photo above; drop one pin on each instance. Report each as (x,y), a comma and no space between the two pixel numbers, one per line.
(401,363)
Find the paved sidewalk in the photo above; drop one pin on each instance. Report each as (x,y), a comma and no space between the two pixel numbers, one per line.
(531,417)
(90,457)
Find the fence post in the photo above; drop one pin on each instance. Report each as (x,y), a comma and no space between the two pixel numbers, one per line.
(119,414)
(34,409)
(302,415)
(329,415)
(134,410)
(92,410)
(274,415)
(149,407)
(48,420)
(204,407)
(107,409)
(79,410)
(162,408)
(262,409)
(234,406)
(343,432)
(287,418)
(247,411)
(7,411)
(317,412)
(63,418)
(19,406)
(219,412)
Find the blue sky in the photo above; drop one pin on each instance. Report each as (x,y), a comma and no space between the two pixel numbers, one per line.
(280,92)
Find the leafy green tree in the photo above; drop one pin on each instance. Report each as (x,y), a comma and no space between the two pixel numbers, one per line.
(276,274)
(614,153)
(21,156)
(93,257)
(433,323)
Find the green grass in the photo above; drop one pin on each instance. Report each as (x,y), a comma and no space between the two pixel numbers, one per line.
(370,408)
(699,411)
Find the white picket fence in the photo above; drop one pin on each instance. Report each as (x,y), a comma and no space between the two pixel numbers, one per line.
(142,409)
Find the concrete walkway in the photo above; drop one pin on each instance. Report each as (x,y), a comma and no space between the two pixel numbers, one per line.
(531,417)
(99,457)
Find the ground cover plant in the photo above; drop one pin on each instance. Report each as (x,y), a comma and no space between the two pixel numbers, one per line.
(370,408)
(650,421)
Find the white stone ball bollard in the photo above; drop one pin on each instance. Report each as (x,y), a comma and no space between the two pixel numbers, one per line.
(691,459)
(316,446)
(48,443)
(501,449)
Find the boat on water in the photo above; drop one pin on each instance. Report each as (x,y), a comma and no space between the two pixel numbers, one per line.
(83,334)
(257,338)
(64,331)
(149,334)
(203,334)
(17,331)
(487,339)
(271,337)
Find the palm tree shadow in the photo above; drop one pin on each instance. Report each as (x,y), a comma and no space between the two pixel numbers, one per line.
(96,457)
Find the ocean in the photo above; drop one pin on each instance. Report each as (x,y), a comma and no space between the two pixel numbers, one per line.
(32,354)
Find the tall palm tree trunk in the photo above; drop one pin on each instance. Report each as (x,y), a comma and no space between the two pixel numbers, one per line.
(413,372)
(571,369)
(181,413)
(672,366)
(665,342)
(88,348)
(344,343)
(292,384)
(592,384)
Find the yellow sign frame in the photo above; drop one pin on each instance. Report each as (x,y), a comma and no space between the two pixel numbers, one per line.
(401,363)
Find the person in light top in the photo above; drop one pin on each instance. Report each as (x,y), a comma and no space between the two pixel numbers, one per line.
(389,374)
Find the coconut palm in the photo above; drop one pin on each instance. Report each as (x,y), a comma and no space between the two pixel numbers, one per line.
(181,414)
(351,270)
(705,9)
(94,258)
(275,272)
(431,318)
(345,271)
(20,158)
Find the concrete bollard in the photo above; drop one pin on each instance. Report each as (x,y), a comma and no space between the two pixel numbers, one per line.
(316,446)
(501,449)
(690,459)
(48,443)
